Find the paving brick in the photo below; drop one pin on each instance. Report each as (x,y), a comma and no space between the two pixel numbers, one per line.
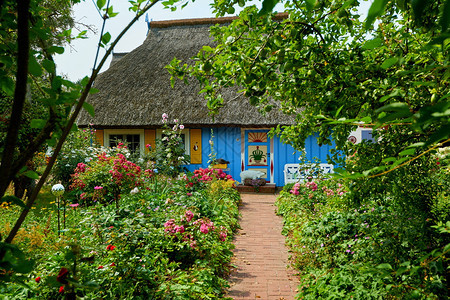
(260,256)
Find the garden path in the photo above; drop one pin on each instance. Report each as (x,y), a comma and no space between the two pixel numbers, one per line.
(260,256)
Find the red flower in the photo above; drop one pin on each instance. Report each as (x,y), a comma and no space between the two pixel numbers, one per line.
(38,279)
(61,289)
(112,265)
(63,273)
(100,267)
(110,247)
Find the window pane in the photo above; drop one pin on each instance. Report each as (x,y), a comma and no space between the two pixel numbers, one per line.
(131,140)
(114,139)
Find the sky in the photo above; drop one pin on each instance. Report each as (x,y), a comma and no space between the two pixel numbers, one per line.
(78,58)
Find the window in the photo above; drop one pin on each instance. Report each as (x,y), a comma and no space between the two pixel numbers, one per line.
(133,138)
(184,136)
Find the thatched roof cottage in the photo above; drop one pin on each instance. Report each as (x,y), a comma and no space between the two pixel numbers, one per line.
(135,91)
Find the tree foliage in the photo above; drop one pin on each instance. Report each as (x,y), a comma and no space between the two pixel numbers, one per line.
(333,70)
(31,33)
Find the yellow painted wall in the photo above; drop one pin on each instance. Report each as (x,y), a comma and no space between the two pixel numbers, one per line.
(149,138)
(99,137)
(196,146)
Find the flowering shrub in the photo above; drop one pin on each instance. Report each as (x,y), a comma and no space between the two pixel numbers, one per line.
(345,251)
(105,178)
(159,244)
(168,155)
(80,146)
(202,176)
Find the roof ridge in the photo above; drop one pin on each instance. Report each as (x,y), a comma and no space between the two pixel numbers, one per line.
(203,21)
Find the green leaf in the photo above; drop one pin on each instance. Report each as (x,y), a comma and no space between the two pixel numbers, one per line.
(337,112)
(384,266)
(56,49)
(310,4)
(106,38)
(401,270)
(372,44)
(49,66)
(101,3)
(38,123)
(389,159)
(445,18)
(93,91)
(416,145)
(395,93)
(375,10)
(409,151)
(267,7)
(397,106)
(389,62)
(7,85)
(34,67)
(89,108)
(84,81)
(31,174)
(13,200)
(111,12)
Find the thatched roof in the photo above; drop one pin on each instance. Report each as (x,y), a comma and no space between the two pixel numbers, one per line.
(136,91)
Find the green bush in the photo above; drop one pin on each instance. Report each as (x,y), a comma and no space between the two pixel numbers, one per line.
(370,251)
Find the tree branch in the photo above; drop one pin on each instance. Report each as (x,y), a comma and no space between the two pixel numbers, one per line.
(23,42)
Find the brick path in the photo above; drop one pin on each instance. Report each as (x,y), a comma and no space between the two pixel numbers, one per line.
(260,256)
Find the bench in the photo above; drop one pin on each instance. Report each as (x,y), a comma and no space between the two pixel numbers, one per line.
(299,172)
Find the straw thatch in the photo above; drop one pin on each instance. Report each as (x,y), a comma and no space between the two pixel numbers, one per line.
(136,91)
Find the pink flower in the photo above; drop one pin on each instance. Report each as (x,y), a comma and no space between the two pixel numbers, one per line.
(179,229)
(222,236)
(189,194)
(148,146)
(74,205)
(98,187)
(204,228)
(189,215)
(181,126)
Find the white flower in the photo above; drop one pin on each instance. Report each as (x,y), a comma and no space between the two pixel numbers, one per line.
(181,126)
(134,191)
(175,127)
(175,120)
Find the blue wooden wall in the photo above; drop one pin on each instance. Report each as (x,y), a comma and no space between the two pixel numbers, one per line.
(227,144)
(285,154)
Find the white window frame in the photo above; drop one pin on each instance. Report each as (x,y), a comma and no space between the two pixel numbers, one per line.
(108,132)
(187,142)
